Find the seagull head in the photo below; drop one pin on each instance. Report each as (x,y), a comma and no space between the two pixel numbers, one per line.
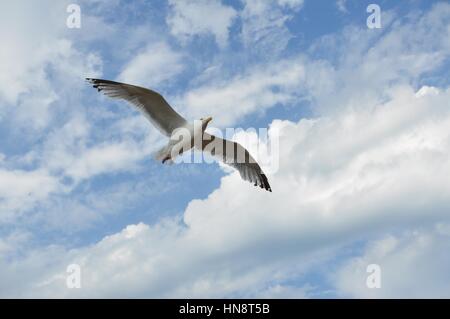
(205,121)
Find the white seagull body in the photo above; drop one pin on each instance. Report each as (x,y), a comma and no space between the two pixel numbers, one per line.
(175,127)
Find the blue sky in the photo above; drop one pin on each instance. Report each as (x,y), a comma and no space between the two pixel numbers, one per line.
(361,117)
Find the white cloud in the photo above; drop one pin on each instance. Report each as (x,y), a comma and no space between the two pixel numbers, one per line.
(342,5)
(412,265)
(284,291)
(264,29)
(21,190)
(294,4)
(366,63)
(70,151)
(68,157)
(372,170)
(189,18)
(105,158)
(37,91)
(254,91)
(425,90)
(330,85)
(155,64)
(26,91)
(9,245)
(21,36)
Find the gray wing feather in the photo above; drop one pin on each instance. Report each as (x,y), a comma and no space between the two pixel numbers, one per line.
(150,103)
(237,156)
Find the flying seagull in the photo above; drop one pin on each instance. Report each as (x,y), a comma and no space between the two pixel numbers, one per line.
(170,123)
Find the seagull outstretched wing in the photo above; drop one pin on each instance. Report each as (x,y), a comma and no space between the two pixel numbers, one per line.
(236,156)
(150,103)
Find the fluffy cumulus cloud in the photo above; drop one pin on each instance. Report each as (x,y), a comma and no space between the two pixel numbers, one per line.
(154,65)
(370,61)
(372,171)
(411,265)
(363,181)
(201,17)
(34,42)
(256,90)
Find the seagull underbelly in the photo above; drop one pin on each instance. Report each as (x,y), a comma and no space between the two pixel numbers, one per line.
(183,140)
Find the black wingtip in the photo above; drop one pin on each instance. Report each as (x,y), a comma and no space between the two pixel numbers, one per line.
(92,81)
(265,181)
(95,83)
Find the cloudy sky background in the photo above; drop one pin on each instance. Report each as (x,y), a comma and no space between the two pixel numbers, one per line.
(363,123)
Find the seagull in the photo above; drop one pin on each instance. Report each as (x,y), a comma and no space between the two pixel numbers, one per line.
(174,126)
